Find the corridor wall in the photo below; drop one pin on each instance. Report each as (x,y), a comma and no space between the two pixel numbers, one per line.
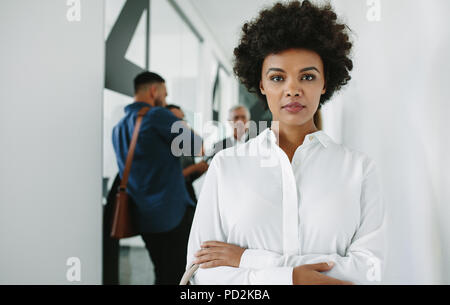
(51,80)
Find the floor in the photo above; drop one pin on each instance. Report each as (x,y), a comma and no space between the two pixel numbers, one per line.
(135,266)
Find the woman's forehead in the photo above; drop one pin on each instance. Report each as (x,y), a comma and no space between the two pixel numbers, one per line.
(293,58)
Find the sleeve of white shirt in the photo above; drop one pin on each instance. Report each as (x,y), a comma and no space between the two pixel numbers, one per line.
(207,226)
(365,256)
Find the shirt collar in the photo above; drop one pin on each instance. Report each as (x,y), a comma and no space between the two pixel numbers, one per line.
(135,106)
(320,136)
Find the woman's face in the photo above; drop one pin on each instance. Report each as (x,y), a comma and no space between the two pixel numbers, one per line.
(293,82)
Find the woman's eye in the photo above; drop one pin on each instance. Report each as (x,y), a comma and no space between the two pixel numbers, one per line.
(308,77)
(276,78)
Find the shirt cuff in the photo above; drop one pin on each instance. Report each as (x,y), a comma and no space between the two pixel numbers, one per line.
(257,259)
(266,273)
(273,276)
(246,259)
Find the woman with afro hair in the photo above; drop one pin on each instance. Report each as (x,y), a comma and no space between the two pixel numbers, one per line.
(303,209)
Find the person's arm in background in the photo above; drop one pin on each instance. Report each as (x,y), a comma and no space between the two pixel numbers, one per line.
(191,170)
(172,130)
(194,171)
(208,225)
(364,259)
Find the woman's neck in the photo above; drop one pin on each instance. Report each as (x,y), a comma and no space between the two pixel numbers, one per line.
(290,137)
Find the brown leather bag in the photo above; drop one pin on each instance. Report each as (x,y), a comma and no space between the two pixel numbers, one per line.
(123,225)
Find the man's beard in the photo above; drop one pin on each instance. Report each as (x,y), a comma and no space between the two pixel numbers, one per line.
(159,103)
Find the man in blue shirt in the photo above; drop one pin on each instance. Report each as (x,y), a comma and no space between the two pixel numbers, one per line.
(164,209)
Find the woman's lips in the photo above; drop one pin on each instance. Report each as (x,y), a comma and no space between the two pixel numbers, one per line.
(293,107)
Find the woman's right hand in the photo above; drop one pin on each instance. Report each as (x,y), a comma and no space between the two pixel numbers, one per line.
(311,275)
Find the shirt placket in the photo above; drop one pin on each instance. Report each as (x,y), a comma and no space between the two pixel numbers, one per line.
(291,242)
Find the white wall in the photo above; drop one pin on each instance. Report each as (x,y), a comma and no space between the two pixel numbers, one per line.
(396,109)
(212,53)
(51,85)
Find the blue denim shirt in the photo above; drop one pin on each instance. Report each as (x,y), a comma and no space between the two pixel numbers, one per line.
(156,181)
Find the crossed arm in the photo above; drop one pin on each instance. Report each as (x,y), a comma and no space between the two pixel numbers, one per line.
(361,265)
(222,263)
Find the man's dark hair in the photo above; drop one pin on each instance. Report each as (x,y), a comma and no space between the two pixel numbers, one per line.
(295,25)
(172,106)
(145,79)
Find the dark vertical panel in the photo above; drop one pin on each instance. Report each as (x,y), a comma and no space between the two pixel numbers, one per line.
(120,71)
(216,99)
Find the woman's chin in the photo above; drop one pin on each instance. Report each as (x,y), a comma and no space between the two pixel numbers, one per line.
(294,120)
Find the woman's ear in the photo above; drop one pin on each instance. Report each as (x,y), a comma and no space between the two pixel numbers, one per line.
(261,88)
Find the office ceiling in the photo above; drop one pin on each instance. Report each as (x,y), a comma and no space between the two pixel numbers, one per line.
(226,18)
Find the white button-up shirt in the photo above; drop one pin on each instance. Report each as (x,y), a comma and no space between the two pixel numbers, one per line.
(324,206)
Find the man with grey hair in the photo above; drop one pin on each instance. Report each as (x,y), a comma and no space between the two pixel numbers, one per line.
(238,117)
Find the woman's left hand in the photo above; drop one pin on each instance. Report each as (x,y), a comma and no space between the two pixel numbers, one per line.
(216,254)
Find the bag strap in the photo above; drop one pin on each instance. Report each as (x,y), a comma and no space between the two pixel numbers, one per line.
(130,155)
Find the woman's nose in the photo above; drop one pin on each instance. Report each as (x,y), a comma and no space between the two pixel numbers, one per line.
(293,88)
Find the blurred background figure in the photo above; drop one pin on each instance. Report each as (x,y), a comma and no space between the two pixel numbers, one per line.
(191,170)
(238,117)
(164,209)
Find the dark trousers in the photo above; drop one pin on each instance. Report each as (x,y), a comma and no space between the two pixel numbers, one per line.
(168,250)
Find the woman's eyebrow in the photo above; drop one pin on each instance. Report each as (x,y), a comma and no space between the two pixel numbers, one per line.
(275,69)
(309,68)
(302,70)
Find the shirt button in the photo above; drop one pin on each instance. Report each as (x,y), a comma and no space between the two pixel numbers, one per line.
(311,138)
